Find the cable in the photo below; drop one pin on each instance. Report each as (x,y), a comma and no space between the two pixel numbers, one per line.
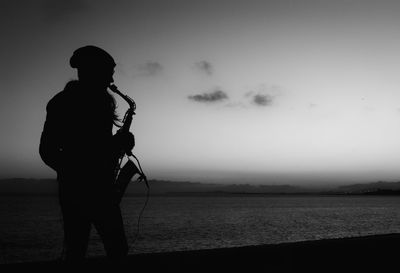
(139,219)
(142,177)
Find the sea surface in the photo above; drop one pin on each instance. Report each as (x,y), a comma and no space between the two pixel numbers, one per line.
(31,227)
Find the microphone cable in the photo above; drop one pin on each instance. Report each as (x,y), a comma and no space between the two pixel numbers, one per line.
(142,177)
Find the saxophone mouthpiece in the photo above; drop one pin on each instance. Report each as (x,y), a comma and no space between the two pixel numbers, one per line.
(113,88)
(129,100)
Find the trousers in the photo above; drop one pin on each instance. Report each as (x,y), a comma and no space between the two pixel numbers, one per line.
(78,218)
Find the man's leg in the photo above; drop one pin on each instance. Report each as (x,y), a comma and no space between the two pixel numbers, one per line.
(76,232)
(110,227)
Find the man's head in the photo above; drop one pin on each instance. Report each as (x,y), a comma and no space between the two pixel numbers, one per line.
(95,66)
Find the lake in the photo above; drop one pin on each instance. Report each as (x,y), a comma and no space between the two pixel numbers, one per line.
(31,226)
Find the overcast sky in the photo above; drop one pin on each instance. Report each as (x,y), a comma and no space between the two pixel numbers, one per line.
(241,91)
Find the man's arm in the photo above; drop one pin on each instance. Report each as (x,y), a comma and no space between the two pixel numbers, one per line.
(49,148)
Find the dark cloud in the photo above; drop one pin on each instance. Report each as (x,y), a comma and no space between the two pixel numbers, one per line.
(60,10)
(216,96)
(259,99)
(151,68)
(262,99)
(264,94)
(205,67)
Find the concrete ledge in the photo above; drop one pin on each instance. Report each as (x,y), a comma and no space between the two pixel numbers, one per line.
(378,253)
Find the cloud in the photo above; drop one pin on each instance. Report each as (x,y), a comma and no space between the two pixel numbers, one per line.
(264,95)
(215,96)
(151,68)
(262,99)
(205,67)
(60,10)
(259,99)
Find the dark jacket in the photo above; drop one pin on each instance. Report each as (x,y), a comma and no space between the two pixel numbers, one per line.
(78,143)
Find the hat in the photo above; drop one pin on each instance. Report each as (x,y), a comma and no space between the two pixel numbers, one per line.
(91,56)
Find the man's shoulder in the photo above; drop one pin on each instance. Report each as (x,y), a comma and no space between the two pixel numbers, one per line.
(62,98)
(57,102)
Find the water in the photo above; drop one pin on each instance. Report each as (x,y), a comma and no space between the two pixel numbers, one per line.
(31,227)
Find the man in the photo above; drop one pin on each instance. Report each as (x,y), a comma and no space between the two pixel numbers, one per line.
(78,143)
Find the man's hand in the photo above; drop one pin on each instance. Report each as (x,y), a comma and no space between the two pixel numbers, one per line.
(129,143)
(125,141)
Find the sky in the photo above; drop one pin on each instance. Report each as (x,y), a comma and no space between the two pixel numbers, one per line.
(266,92)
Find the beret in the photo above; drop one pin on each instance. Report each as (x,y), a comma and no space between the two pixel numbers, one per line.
(91,56)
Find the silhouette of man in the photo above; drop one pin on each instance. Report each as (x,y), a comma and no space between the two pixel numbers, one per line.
(78,143)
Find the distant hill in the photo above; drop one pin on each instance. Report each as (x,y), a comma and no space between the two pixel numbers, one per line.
(23,186)
(171,187)
(380,186)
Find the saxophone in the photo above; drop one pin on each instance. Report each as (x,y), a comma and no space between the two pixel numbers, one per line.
(122,176)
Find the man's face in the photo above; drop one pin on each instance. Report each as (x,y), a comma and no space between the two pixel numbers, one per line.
(106,76)
(100,77)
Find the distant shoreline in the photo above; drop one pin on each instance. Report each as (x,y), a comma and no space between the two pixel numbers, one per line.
(223,194)
(49,187)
